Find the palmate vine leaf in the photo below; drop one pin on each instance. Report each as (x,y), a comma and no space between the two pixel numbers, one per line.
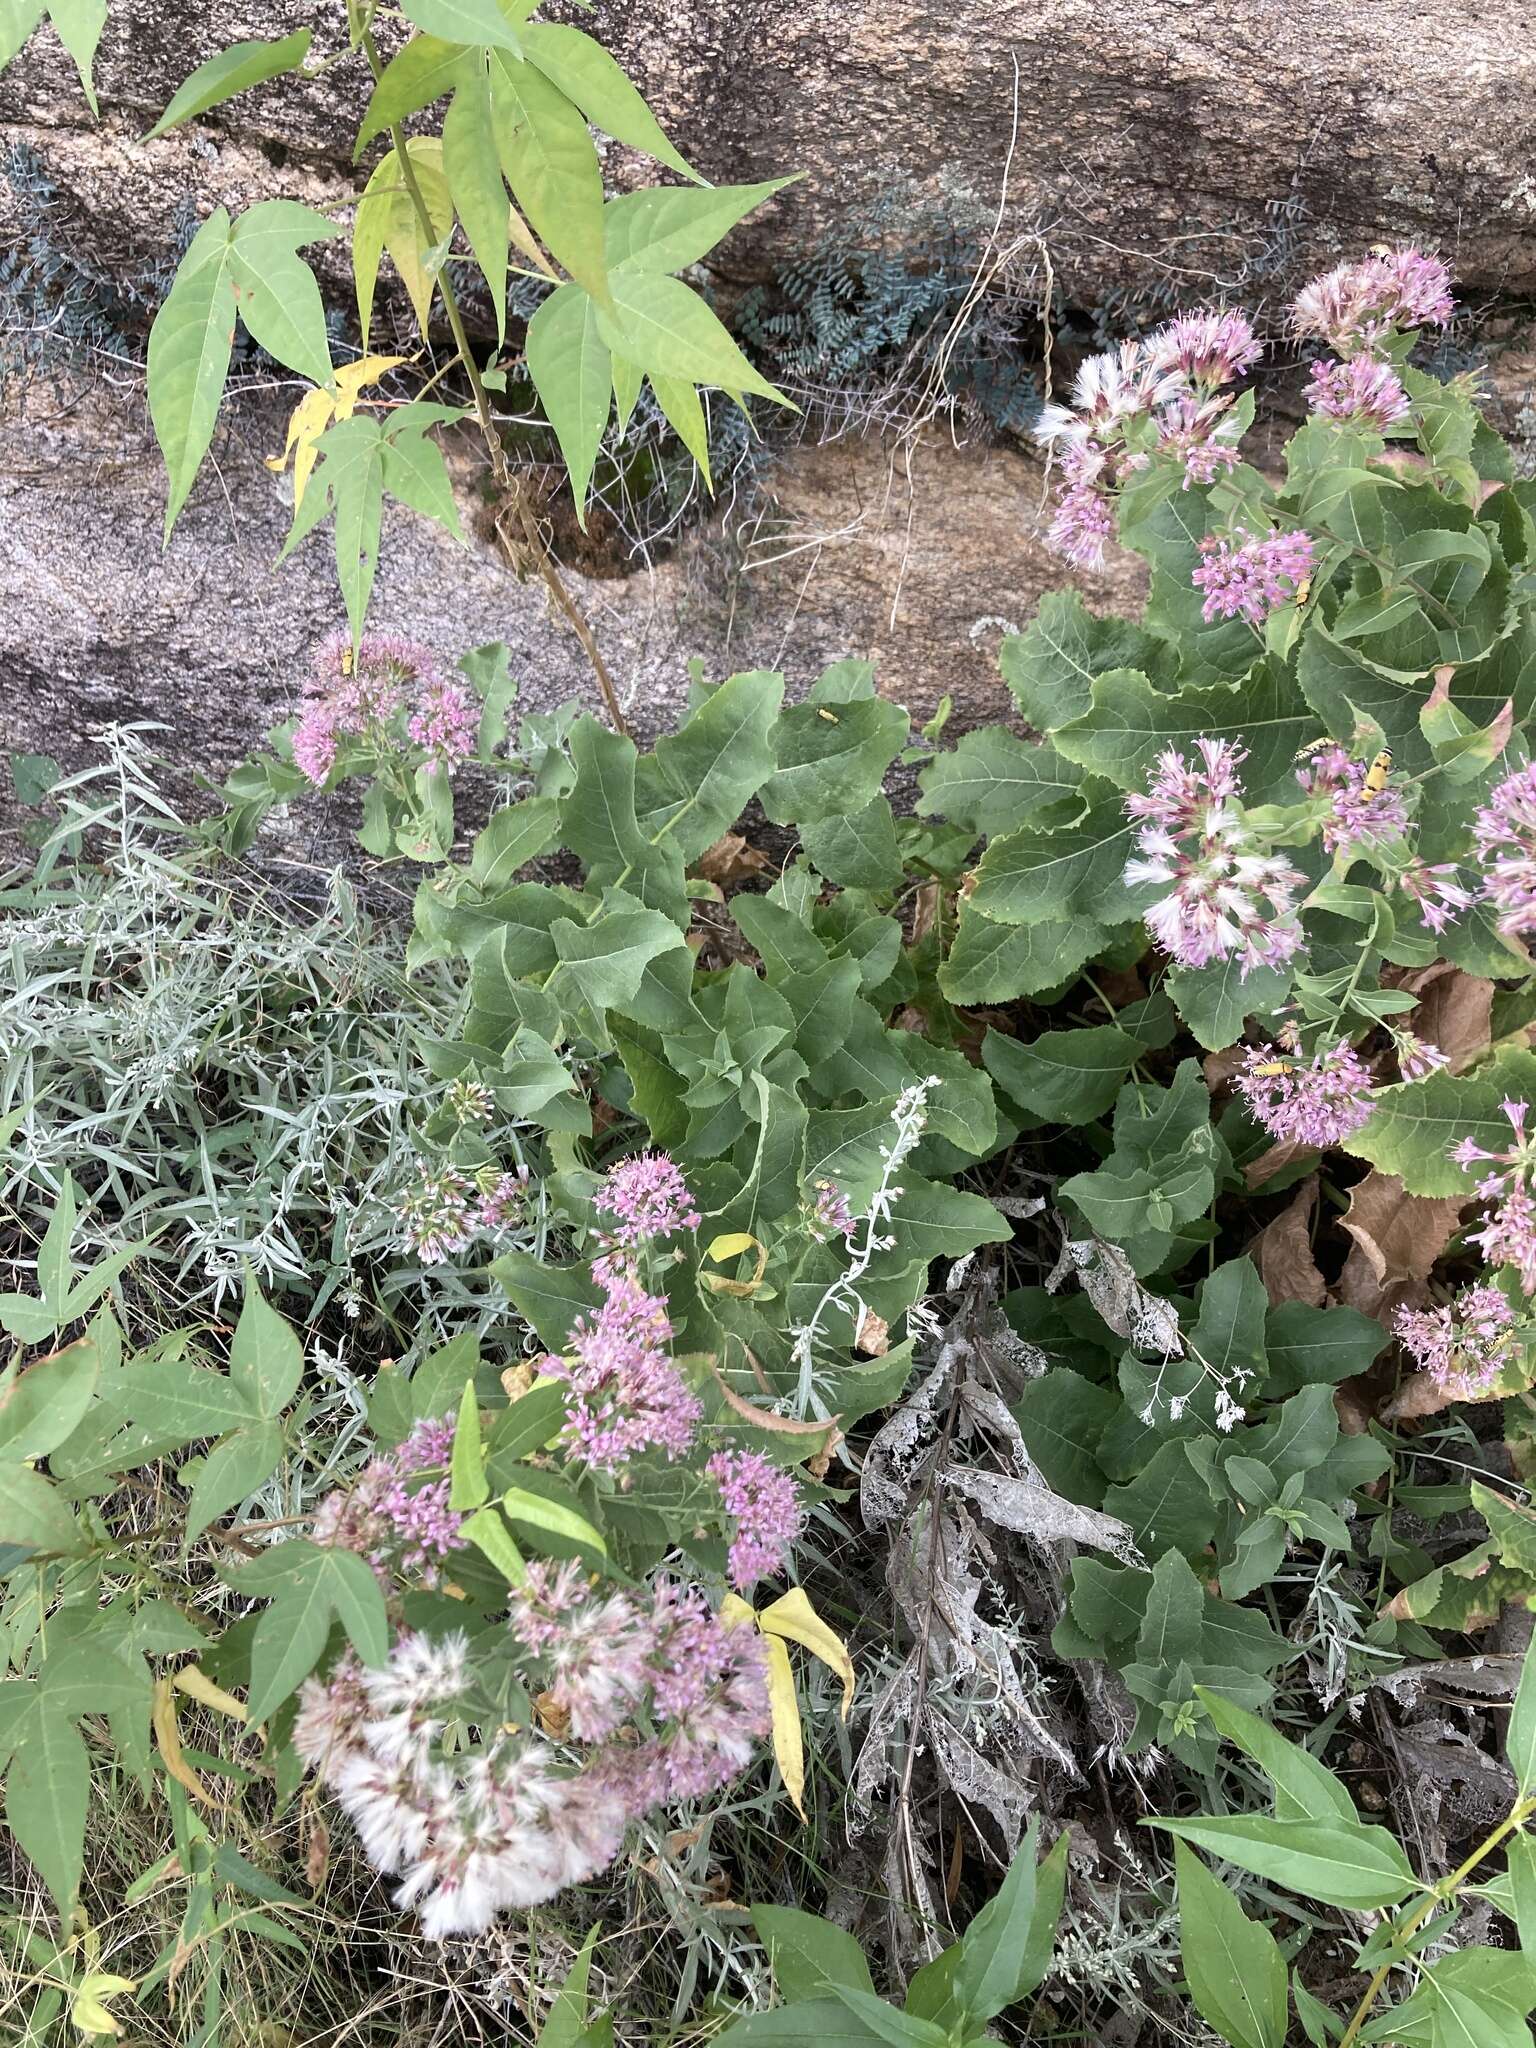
(232,71)
(663,326)
(310,1589)
(249,265)
(468,21)
(473,173)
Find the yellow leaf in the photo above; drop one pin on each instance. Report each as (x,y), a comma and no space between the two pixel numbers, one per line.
(162,1718)
(351,377)
(319,409)
(734,1610)
(788,1745)
(794,1616)
(88,2011)
(198,1686)
(731,1244)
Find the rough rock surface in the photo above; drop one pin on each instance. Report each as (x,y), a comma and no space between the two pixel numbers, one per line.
(1195,139)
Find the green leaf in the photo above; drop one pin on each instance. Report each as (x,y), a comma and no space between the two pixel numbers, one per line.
(266,1362)
(1414,1125)
(819,2023)
(463,21)
(47,1790)
(1362,1868)
(232,71)
(79,24)
(1062,1416)
(34,1515)
(832,759)
(1174,1622)
(600,826)
(468,1486)
(1214,1000)
(1520,1743)
(1006,1950)
(1305,1790)
(583,70)
(662,325)
(1313,1346)
(1234,1968)
(997,963)
(1066,1077)
(551,164)
(311,1589)
(1050,668)
(189,350)
(487,1530)
(278,297)
(699,779)
(231,1472)
(857,850)
(566,2026)
(669,227)
(1129,723)
(1522,1885)
(515,836)
(684,413)
(602,964)
(349,481)
(808,1953)
(473,171)
(552,1517)
(44,1404)
(1034,875)
(547,1296)
(899,2029)
(387,219)
(412,79)
(572,372)
(992,780)
(1167,1505)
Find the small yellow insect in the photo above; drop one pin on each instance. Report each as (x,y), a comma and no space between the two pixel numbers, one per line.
(1313,747)
(1303,591)
(1272,1067)
(1376,775)
(346,659)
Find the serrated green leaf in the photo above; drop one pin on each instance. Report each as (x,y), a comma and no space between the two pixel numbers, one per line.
(232,71)
(189,350)
(832,758)
(997,963)
(572,372)
(1034,874)
(1214,1000)
(1414,1125)
(1129,723)
(992,780)
(857,850)
(663,326)
(551,164)
(669,227)
(349,482)
(698,780)
(585,73)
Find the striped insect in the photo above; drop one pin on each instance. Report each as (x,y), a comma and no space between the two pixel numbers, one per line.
(1376,775)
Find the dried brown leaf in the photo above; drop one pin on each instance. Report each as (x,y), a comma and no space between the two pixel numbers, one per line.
(1397,1239)
(1275,1161)
(729,860)
(1455,1013)
(874,1338)
(1282,1251)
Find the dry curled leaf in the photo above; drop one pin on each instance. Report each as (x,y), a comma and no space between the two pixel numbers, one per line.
(1397,1239)
(1456,1013)
(1268,1164)
(874,1338)
(729,860)
(1282,1251)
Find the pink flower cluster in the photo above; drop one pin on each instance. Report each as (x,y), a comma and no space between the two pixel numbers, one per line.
(1225,895)
(1247,578)
(1356,816)
(1504,833)
(512,1821)
(1464,1346)
(391,1515)
(361,698)
(1508,1233)
(1437,892)
(1362,391)
(447,1208)
(1319,1103)
(1417,1059)
(648,1198)
(764,1502)
(1175,381)
(626,1394)
(831,1215)
(1358,305)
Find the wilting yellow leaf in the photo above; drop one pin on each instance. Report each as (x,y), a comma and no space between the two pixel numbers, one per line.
(788,1744)
(199,1686)
(321,408)
(793,1616)
(162,1718)
(87,2008)
(730,1245)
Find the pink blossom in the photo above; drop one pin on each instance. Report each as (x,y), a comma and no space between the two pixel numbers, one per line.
(649,1197)
(434,1215)
(1356,305)
(1362,391)
(393,1517)
(1357,816)
(1417,1059)
(505,1201)
(1248,579)
(446,722)
(1082,525)
(626,1394)
(1436,891)
(763,1500)
(1317,1104)
(361,697)
(1210,347)
(1508,1232)
(1465,1347)
(1504,833)
(830,1214)
(1226,895)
